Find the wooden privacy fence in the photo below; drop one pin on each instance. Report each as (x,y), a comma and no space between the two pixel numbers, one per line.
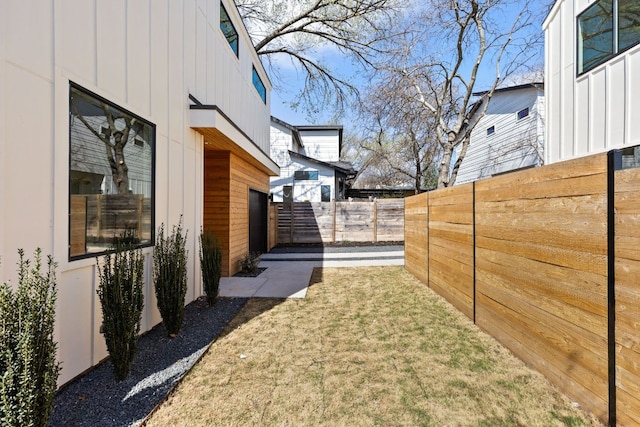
(547,261)
(330,222)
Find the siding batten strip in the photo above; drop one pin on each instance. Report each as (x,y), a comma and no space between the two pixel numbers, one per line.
(614,163)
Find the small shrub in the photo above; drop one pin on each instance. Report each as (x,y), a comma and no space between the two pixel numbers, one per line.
(122,301)
(27,350)
(211,265)
(249,262)
(170,277)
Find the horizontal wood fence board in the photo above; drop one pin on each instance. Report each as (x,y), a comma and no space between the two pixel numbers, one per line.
(560,368)
(455,233)
(567,187)
(562,257)
(628,408)
(563,238)
(570,169)
(591,327)
(627,292)
(558,283)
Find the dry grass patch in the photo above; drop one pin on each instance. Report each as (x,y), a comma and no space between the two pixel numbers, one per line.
(368,346)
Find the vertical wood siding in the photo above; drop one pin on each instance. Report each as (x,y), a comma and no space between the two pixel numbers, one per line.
(228,179)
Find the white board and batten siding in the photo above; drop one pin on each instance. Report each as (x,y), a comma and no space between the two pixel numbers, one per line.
(146,56)
(321,144)
(514,144)
(596,111)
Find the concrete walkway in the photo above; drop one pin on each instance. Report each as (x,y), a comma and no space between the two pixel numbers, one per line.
(288,270)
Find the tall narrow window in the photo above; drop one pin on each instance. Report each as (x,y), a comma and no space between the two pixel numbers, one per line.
(325,193)
(628,24)
(111,179)
(228,29)
(257,83)
(595,32)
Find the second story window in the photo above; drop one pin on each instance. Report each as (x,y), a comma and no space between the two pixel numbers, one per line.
(605,29)
(228,29)
(257,83)
(305,175)
(491,130)
(523,113)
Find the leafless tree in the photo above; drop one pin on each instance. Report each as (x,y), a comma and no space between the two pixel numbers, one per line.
(114,139)
(395,138)
(297,30)
(440,64)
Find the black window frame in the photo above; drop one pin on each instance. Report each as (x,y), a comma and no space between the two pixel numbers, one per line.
(152,202)
(232,37)
(491,130)
(305,175)
(325,197)
(258,84)
(615,49)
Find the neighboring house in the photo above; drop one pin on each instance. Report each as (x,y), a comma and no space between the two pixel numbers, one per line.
(178,92)
(509,137)
(592,77)
(310,166)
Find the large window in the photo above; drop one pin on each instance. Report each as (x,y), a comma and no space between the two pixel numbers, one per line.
(111,175)
(605,29)
(228,29)
(257,83)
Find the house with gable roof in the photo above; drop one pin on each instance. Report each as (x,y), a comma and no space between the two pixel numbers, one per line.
(310,166)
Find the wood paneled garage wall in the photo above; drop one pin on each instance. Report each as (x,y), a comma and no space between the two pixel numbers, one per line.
(227,181)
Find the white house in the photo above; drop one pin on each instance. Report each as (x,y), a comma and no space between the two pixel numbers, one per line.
(310,166)
(122,115)
(592,77)
(509,137)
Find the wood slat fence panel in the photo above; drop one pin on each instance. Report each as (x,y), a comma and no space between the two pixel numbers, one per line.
(527,255)
(389,220)
(627,274)
(548,310)
(327,222)
(416,242)
(451,246)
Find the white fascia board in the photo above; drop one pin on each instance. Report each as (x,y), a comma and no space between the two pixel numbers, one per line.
(214,118)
